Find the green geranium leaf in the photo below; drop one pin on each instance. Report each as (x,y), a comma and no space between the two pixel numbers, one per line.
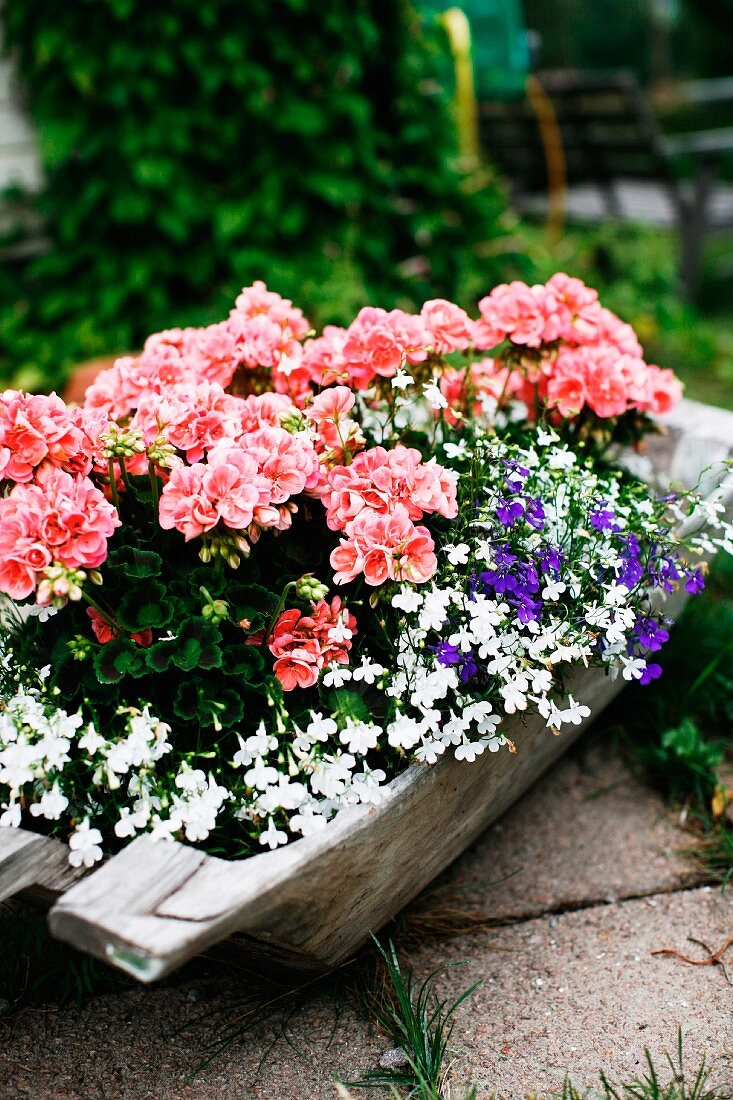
(197,645)
(186,702)
(116,659)
(159,656)
(242,661)
(145,606)
(136,563)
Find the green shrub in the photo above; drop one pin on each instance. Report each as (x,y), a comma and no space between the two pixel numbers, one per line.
(191,147)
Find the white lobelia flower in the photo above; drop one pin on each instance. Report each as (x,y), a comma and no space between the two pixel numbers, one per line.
(560,459)
(51,804)
(273,837)
(455,729)
(616,594)
(493,744)
(404,732)
(307,821)
(367,671)
(91,741)
(130,822)
(320,728)
(514,694)
(434,396)
(633,667)
(457,555)
(541,681)
(553,590)
(84,845)
(407,599)
(429,751)
(575,712)
(260,775)
(359,737)
(545,438)
(11,815)
(336,675)
(244,756)
(469,750)
(435,609)
(456,450)
(401,380)
(340,632)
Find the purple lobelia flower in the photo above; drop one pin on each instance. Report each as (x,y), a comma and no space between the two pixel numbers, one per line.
(535,513)
(500,578)
(528,610)
(695,581)
(651,672)
(509,511)
(651,634)
(514,478)
(448,655)
(550,559)
(469,668)
(603,518)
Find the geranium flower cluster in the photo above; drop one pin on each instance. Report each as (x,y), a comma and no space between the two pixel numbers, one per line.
(51,531)
(375,502)
(303,645)
(188,528)
(563,350)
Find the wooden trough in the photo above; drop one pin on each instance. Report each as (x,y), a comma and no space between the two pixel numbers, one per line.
(309,905)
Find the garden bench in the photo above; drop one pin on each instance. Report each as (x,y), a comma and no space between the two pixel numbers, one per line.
(595,139)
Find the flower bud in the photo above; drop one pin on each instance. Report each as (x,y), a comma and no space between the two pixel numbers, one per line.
(309,587)
(292,420)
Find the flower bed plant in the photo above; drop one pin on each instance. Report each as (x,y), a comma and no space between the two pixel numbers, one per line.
(261,570)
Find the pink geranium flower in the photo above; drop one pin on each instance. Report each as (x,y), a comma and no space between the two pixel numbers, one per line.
(304,645)
(449,326)
(384,546)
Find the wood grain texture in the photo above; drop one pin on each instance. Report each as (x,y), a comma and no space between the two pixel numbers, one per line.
(36,865)
(311,904)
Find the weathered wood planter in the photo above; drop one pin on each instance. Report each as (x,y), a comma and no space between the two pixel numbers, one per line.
(311,904)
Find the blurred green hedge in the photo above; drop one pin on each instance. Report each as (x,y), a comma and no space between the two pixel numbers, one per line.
(190,147)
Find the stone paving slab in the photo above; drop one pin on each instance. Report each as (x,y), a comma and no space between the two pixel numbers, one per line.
(588,831)
(581,992)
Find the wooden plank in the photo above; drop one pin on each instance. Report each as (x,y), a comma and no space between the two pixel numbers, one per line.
(36,865)
(316,900)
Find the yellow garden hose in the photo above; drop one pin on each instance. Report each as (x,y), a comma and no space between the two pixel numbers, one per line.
(458,30)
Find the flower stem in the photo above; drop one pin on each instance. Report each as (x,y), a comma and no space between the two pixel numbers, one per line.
(154,485)
(102,613)
(126,476)
(113,484)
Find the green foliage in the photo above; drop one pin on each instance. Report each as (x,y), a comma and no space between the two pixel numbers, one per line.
(683,1084)
(191,148)
(682,736)
(420,1024)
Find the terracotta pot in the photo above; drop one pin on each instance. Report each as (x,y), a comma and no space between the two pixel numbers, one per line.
(83,375)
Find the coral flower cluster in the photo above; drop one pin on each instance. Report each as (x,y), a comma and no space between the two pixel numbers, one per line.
(58,520)
(304,645)
(375,502)
(557,347)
